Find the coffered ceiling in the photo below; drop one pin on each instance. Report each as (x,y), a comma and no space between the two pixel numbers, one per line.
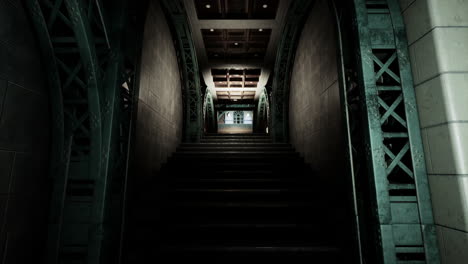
(236,9)
(236,44)
(235,96)
(236,36)
(236,78)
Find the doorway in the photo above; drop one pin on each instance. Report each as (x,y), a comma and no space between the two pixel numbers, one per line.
(235,122)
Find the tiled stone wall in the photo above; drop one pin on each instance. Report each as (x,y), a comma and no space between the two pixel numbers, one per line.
(315,122)
(159,120)
(438,41)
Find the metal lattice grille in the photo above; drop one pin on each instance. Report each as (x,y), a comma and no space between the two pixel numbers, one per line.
(88,88)
(193,101)
(405,223)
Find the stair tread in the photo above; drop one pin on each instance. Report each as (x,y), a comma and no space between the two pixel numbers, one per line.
(258,204)
(220,190)
(237,152)
(237,144)
(264,248)
(236,180)
(242,225)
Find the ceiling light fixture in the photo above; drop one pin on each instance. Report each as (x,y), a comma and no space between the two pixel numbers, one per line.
(209,6)
(265,6)
(211,29)
(260,29)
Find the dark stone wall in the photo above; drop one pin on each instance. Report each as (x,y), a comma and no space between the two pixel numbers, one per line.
(24,139)
(159,124)
(159,118)
(315,111)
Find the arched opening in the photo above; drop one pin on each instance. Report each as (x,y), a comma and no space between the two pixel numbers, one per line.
(262,115)
(210,124)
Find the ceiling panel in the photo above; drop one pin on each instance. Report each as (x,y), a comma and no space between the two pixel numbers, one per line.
(236,78)
(236,43)
(236,9)
(235,95)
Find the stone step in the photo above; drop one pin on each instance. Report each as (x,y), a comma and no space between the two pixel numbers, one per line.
(237,183)
(238,148)
(236,140)
(227,136)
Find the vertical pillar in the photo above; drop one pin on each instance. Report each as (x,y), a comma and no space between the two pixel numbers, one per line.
(403,221)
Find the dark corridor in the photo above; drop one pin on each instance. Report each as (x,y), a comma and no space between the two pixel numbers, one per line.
(169,131)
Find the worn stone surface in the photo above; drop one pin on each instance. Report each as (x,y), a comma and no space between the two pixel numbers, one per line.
(24,139)
(159,119)
(314,105)
(438,35)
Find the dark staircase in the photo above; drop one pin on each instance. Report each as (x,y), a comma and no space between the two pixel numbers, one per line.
(236,199)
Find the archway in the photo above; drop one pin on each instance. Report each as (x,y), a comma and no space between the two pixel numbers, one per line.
(209,118)
(262,115)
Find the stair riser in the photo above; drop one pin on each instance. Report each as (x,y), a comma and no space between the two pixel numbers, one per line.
(285,150)
(202,215)
(244,196)
(222,170)
(237,141)
(239,138)
(253,236)
(249,183)
(239,153)
(245,163)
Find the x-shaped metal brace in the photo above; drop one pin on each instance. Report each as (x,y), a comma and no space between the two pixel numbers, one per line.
(390,111)
(396,160)
(385,68)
